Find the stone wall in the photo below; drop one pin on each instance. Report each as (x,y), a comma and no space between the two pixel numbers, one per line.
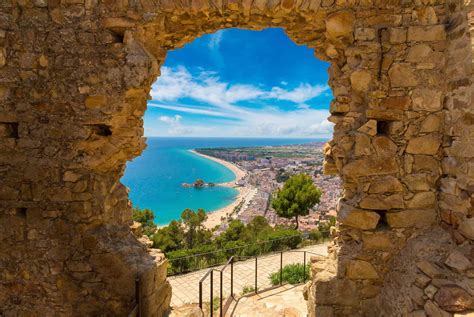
(74,81)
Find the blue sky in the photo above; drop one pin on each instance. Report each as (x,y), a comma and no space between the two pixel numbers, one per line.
(241,83)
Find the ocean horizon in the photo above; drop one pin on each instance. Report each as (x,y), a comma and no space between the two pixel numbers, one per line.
(155,177)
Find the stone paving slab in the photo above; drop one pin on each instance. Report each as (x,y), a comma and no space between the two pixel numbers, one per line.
(276,302)
(186,287)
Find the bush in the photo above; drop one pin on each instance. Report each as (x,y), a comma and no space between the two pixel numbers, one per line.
(179,261)
(292,274)
(146,217)
(284,239)
(247,290)
(315,235)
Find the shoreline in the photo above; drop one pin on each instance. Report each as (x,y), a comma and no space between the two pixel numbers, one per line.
(214,217)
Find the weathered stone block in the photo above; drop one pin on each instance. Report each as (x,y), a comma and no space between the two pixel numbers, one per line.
(411,218)
(335,291)
(431,309)
(158,302)
(340,24)
(398,35)
(426,33)
(426,163)
(370,166)
(396,103)
(427,99)
(357,218)
(382,202)
(429,269)
(363,145)
(419,53)
(466,228)
(377,241)
(365,34)
(454,299)
(360,80)
(384,146)
(462,148)
(388,184)
(432,123)
(402,75)
(428,144)
(384,114)
(422,200)
(369,128)
(95,101)
(3,57)
(458,261)
(357,269)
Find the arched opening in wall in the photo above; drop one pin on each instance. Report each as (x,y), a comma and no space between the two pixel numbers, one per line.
(235,117)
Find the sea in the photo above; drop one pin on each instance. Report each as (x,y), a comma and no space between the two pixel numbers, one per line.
(155,178)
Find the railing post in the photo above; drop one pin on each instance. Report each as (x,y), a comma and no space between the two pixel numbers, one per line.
(200,294)
(221,295)
(281,268)
(256,265)
(211,307)
(232,277)
(304,267)
(137,295)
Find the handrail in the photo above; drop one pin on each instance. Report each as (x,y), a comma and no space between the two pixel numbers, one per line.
(193,262)
(230,262)
(240,247)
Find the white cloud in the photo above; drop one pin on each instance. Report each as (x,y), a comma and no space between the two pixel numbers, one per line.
(207,87)
(301,94)
(216,39)
(189,109)
(222,101)
(175,120)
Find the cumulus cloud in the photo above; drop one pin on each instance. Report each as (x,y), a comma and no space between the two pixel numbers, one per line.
(222,100)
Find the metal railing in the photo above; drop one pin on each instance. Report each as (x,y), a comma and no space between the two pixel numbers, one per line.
(136,311)
(190,263)
(224,305)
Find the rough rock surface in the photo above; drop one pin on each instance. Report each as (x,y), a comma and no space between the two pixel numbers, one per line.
(74,81)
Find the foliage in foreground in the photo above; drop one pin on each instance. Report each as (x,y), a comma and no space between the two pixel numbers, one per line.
(247,289)
(184,238)
(292,274)
(146,217)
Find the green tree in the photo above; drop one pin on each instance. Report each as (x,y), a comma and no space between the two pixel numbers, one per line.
(169,238)
(258,229)
(296,198)
(193,222)
(146,217)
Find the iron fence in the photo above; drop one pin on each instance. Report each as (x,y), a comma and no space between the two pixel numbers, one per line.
(190,263)
(136,311)
(225,299)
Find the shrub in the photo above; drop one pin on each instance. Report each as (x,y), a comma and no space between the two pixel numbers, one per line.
(292,274)
(315,235)
(247,290)
(284,239)
(180,261)
(146,217)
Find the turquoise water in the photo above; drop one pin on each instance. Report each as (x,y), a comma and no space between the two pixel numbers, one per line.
(155,178)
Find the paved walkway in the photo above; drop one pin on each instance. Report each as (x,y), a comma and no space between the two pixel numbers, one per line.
(287,300)
(186,286)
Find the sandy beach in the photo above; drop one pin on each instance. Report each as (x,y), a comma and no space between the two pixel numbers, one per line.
(214,217)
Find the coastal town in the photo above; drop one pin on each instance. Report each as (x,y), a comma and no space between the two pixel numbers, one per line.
(261,171)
